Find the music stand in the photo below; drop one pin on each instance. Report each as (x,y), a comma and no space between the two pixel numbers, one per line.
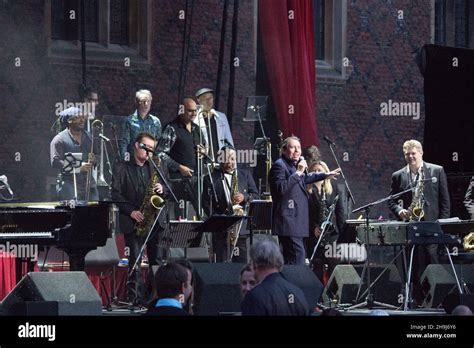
(72,161)
(219,223)
(181,234)
(260,212)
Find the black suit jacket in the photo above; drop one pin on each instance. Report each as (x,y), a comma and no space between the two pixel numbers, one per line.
(246,185)
(469,198)
(290,212)
(437,204)
(125,185)
(316,211)
(275,296)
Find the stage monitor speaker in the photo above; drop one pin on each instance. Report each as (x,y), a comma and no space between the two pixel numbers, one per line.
(60,293)
(304,278)
(437,282)
(344,283)
(217,289)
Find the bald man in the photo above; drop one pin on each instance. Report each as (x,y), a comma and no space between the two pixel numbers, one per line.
(178,147)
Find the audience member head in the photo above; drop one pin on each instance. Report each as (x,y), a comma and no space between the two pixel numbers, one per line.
(171,281)
(266,258)
(247,279)
(461,310)
(311,154)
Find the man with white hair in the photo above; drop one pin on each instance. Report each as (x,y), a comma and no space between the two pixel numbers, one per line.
(141,121)
(274,295)
(213,124)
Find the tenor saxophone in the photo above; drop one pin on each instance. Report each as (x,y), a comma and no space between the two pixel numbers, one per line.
(150,205)
(416,207)
(237,210)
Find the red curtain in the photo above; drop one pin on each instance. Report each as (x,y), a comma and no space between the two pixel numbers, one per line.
(286,29)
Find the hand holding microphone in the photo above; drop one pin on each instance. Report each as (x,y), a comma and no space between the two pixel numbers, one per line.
(301,166)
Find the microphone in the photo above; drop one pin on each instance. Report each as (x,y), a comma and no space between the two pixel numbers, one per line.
(143,146)
(104,137)
(329,141)
(433,179)
(299,160)
(3,178)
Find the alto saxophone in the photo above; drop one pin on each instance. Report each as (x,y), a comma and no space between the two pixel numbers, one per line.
(416,207)
(150,205)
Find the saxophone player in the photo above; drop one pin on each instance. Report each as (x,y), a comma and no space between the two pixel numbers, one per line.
(130,183)
(234,188)
(430,198)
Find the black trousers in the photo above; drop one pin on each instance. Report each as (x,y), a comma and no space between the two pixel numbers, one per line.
(293,250)
(185,189)
(136,291)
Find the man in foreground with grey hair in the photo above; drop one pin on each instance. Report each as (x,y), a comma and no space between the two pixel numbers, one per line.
(274,295)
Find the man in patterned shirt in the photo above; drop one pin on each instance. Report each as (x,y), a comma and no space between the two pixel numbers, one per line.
(141,121)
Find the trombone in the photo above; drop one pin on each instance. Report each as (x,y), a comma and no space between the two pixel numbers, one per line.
(99,125)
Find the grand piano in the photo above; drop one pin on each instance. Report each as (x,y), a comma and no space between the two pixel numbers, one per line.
(74,228)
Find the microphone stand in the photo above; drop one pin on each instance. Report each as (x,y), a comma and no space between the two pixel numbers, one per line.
(165,182)
(116,144)
(330,143)
(163,179)
(213,188)
(268,146)
(325,226)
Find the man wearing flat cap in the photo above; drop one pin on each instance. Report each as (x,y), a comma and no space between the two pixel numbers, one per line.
(73,140)
(213,124)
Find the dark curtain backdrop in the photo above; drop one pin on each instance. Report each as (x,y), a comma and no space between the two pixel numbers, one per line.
(288,46)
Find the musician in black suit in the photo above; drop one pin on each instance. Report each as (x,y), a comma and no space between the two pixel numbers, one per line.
(273,295)
(173,288)
(469,199)
(435,192)
(288,178)
(434,198)
(130,183)
(228,198)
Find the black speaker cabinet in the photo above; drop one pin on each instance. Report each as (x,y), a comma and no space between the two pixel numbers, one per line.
(437,282)
(217,289)
(344,283)
(53,293)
